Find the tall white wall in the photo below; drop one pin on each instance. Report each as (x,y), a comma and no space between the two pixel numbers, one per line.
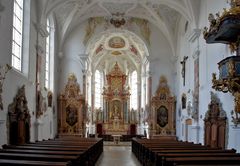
(161,60)
(14,79)
(210,55)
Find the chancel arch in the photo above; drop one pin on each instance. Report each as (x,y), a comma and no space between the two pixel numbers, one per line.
(121,58)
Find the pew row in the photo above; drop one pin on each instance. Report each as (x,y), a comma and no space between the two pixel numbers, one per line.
(170,153)
(61,151)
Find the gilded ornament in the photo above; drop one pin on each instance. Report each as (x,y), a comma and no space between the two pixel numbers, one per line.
(232,47)
(231,69)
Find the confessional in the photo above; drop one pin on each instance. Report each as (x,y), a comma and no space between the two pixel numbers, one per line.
(19,119)
(215,124)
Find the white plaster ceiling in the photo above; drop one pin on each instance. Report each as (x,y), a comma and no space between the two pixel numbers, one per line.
(164,14)
(127,59)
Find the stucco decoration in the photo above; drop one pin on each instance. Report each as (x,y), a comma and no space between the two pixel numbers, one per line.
(116,53)
(90,28)
(3,72)
(114,7)
(116,42)
(144,28)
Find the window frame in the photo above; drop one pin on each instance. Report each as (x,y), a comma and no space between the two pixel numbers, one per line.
(47,56)
(98,91)
(19,64)
(134,90)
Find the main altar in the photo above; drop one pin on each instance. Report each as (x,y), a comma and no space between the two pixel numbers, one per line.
(116,117)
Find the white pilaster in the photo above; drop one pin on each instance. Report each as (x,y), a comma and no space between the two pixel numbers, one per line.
(234,137)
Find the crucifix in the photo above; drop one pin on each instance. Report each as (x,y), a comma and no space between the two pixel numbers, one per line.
(183,62)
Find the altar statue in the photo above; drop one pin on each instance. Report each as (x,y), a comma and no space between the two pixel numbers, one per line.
(115,112)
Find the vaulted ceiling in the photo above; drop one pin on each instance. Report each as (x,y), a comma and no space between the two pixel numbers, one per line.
(164,14)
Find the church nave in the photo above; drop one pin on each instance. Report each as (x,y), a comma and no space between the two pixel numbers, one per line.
(117,156)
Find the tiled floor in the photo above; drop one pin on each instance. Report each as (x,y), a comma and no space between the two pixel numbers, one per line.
(117,156)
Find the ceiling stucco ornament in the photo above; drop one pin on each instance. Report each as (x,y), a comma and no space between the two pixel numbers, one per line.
(142,24)
(116,53)
(116,45)
(144,28)
(99,49)
(91,26)
(118,7)
(118,20)
(116,42)
(72,13)
(127,36)
(141,47)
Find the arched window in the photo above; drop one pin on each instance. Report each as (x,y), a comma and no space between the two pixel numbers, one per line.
(21,36)
(134,91)
(17,34)
(98,89)
(47,73)
(50,51)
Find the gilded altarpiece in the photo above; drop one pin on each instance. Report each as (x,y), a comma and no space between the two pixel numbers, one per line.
(71,109)
(116,103)
(163,112)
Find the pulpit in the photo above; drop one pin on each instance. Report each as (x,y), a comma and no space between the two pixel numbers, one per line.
(70,109)
(163,112)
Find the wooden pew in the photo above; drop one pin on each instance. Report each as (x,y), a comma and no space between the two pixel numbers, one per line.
(166,158)
(8,162)
(202,160)
(69,152)
(169,152)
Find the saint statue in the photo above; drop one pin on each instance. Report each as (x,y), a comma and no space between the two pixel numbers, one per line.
(115,112)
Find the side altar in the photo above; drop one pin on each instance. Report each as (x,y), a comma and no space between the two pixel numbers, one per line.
(163,124)
(116,117)
(71,109)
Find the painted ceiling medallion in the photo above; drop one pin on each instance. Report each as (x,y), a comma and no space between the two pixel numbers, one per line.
(116,42)
(116,53)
